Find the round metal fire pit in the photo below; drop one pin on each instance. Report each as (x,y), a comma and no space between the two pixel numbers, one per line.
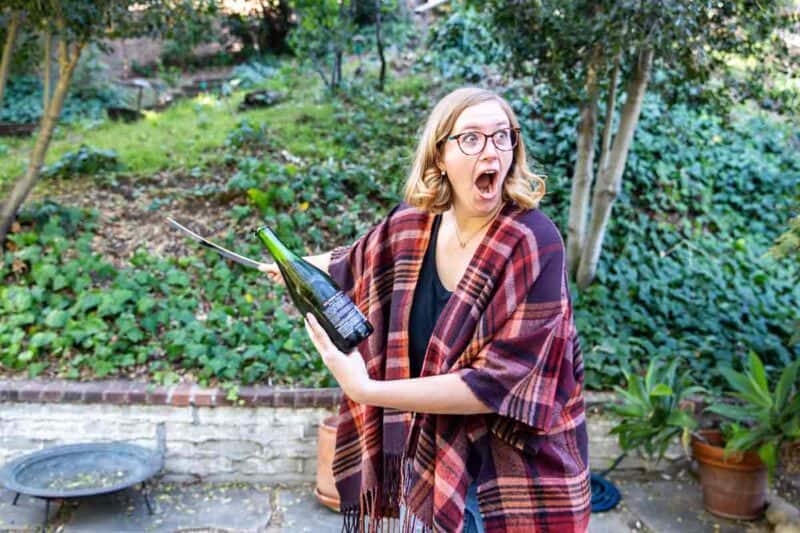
(80,470)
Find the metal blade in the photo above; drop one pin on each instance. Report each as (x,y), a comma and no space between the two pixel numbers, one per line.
(242,260)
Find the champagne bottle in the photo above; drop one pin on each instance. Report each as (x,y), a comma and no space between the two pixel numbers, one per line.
(313,291)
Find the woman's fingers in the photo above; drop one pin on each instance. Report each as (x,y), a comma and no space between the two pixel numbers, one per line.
(319,338)
(318,334)
(272,271)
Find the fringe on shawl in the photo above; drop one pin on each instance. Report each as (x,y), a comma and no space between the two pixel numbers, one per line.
(367,517)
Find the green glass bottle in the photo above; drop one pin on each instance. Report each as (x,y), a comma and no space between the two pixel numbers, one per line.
(313,291)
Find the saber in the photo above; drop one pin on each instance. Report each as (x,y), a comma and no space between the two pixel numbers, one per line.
(224,252)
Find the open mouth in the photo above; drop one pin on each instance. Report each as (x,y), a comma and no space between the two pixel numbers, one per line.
(487,182)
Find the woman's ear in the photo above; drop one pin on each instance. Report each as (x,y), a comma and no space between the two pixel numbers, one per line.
(440,164)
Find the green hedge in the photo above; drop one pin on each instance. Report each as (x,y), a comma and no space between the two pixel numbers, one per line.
(683,271)
(65,307)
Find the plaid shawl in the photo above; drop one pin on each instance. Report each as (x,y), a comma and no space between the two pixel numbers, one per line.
(508,332)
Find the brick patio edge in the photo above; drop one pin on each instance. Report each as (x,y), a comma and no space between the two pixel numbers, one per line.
(121,392)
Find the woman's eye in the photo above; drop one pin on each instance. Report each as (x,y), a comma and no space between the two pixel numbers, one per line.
(502,135)
(470,138)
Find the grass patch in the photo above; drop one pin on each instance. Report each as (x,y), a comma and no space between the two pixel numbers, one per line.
(188,134)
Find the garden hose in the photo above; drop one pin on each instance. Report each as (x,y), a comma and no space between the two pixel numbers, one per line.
(605,495)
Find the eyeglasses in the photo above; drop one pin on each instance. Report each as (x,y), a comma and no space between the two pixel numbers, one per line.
(473,142)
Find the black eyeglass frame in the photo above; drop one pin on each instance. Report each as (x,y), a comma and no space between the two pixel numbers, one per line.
(515,138)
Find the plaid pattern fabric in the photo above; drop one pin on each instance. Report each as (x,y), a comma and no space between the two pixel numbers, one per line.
(508,332)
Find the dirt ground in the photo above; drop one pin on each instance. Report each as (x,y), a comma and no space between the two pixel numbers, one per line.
(132,212)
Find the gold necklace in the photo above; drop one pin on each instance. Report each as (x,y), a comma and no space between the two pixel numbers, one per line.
(463,243)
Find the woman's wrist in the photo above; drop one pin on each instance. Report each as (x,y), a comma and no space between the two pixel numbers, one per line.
(364,391)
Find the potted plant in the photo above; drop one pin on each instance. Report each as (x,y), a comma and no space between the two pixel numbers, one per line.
(654,411)
(736,462)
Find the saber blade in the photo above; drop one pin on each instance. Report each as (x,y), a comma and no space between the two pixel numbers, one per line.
(242,260)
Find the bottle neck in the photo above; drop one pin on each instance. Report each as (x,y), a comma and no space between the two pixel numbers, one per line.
(274,245)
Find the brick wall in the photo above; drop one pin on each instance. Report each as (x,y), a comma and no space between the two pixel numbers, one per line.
(268,435)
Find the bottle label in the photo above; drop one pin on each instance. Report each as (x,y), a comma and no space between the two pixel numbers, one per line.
(343,314)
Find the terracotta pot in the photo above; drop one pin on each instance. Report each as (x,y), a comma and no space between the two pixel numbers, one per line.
(326,491)
(733,487)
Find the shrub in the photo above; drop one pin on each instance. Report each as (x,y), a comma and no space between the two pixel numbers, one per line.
(85,161)
(66,310)
(246,134)
(462,46)
(682,272)
(252,74)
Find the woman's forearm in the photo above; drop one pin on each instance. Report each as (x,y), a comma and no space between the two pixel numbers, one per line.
(321,261)
(446,394)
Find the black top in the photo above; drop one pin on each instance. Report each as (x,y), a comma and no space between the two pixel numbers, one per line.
(430,297)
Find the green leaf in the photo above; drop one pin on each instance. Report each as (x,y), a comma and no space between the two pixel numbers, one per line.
(34,369)
(56,319)
(661,390)
(177,278)
(745,388)
(145,304)
(628,410)
(632,398)
(694,389)
(785,385)
(42,338)
(734,412)
(42,273)
(669,375)
(681,419)
(792,428)
(744,440)
(88,300)
(17,299)
(196,350)
(21,319)
(769,454)
(637,385)
(649,377)
(59,282)
(758,375)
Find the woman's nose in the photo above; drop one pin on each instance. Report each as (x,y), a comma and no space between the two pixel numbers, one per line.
(489,150)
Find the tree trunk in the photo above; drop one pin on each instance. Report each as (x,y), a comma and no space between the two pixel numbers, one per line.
(610,180)
(611,104)
(11,36)
(340,43)
(48,59)
(50,117)
(264,33)
(339,56)
(382,77)
(584,163)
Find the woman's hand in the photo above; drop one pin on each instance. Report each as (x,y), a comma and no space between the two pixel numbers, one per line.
(349,370)
(273,272)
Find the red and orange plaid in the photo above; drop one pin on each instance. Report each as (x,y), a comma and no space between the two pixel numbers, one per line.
(508,331)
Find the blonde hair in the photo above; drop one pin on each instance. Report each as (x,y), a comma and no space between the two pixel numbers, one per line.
(427,188)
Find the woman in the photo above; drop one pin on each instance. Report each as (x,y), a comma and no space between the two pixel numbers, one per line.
(465,405)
